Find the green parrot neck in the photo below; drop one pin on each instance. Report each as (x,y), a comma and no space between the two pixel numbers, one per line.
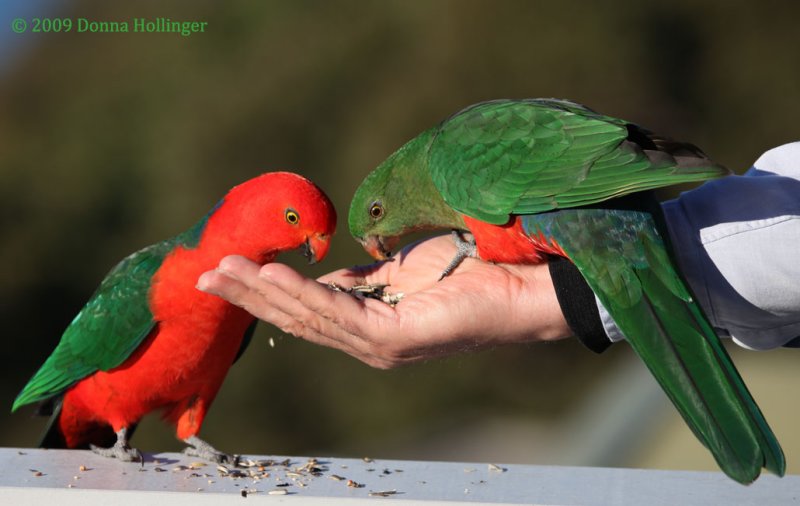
(409,183)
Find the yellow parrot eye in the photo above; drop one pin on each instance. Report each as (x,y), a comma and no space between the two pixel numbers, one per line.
(376,210)
(292,217)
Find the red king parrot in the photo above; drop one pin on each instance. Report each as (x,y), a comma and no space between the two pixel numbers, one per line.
(539,177)
(148,340)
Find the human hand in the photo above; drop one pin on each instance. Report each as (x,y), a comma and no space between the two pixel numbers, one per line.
(479,305)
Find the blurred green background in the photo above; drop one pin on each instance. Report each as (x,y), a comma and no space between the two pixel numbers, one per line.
(110,142)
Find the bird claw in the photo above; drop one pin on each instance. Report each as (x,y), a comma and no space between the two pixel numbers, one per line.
(199,448)
(464,249)
(121,450)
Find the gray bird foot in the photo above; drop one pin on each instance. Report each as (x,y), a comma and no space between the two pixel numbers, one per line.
(464,249)
(199,448)
(121,450)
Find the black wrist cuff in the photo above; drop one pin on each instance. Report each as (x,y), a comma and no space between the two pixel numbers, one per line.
(578,305)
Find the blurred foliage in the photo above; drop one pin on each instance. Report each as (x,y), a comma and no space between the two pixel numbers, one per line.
(109,142)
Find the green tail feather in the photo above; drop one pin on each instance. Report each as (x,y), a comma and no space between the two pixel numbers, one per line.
(625,263)
(688,360)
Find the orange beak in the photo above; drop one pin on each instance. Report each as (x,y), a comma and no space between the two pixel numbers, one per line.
(316,247)
(379,247)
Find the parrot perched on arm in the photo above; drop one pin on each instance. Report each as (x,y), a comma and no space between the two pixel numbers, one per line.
(534,178)
(147,340)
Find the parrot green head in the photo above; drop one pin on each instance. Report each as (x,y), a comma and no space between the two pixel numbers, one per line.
(398,198)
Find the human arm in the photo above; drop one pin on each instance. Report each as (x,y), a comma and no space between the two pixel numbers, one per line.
(735,240)
(479,306)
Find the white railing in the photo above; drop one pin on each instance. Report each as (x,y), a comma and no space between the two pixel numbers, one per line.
(66,478)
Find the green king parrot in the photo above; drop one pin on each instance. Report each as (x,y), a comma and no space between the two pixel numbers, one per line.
(533,178)
(148,340)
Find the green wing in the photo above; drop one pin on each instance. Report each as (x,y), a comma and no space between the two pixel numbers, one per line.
(623,259)
(529,156)
(110,326)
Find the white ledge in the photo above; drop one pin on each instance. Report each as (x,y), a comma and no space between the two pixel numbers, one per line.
(64,477)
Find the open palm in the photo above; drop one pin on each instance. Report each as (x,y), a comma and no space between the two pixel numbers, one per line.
(479,305)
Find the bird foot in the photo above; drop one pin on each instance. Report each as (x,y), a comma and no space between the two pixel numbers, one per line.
(464,249)
(199,448)
(121,450)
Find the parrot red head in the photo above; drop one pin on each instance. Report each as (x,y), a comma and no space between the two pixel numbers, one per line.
(273,213)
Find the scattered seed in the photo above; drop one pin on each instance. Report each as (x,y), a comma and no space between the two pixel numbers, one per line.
(70,485)
(179,468)
(159,470)
(271,342)
(496,468)
(336,477)
(368,460)
(354,484)
(470,470)
(278,491)
(37,473)
(197,465)
(383,493)
(311,467)
(21,452)
(83,468)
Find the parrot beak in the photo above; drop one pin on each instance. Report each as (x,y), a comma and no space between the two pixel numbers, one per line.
(316,247)
(378,246)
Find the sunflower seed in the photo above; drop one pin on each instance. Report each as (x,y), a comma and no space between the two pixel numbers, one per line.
(383,493)
(376,291)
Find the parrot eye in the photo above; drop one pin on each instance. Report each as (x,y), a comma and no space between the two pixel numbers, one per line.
(376,210)
(292,217)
